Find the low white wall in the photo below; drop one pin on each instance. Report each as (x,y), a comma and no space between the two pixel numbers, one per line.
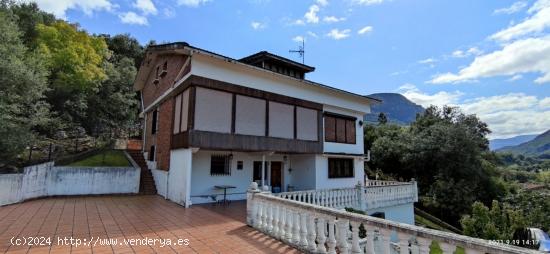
(10,188)
(47,180)
(92,180)
(161,178)
(401,213)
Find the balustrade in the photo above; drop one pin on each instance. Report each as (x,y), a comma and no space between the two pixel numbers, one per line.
(301,221)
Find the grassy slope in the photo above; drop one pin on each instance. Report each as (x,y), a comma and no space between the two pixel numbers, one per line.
(112,158)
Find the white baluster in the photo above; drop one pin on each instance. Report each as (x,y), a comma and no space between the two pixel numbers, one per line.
(296,228)
(370,239)
(263,219)
(343,228)
(303,229)
(288,229)
(269,218)
(355,248)
(331,242)
(321,238)
(403,242)
(275,215)
(282,222)
(311,233)
(447,248)
(424,245)
(259,215)
(386,243)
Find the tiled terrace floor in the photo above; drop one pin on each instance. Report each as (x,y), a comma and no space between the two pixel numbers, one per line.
(209,229)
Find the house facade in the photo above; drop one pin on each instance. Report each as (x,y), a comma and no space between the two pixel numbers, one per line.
(211,120)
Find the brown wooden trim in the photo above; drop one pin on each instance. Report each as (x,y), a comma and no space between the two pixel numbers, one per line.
(173,119)
(247,91)
(246,143)
(191,114)
(295,124)
(233,112)
(267,118)
(320,128)
(181,109)
(326,113)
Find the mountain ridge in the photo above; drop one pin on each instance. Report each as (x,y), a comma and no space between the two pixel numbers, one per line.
(397,108)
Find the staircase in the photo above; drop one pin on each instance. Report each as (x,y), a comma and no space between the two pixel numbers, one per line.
(146,182)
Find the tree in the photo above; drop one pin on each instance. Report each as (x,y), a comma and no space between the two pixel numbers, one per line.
(115,105)
(75,60)
(382,118)
(447,152)
(498,223)
(29,16)
(22,87)
(124,45)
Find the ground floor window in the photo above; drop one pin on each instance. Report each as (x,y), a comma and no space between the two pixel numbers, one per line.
(340,167)
(220,165)
(257,176)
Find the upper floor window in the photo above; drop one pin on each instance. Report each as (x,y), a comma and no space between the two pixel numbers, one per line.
(339,129)
(154,122)
(220,165)
(340,167)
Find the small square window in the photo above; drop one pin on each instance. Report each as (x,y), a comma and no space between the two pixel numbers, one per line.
(220,165)
(340,168)
(239,165)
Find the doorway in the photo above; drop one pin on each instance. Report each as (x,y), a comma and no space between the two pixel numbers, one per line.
(276,176)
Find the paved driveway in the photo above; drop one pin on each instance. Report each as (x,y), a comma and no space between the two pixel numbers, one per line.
(129,224)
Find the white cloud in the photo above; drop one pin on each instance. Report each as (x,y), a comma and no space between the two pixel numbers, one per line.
(365,30)
(192,3)
(298,38)
(311,14)
(146,7)
(440,98)
(474,51)
(536,23)
(299,22)
(544,103)
(339,34)
(59,7)
(515,7)
(257,25)
(168,12)
(458,54)
(461,53)
(522,56)
(333,19)
(427,61)
(312,34)
(133,18)
(507,115)
(322,2)
(367,2)
(515,77)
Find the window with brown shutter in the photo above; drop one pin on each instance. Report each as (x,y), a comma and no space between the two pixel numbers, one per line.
(350,132)
(339,128)
(330,129)
(340,168)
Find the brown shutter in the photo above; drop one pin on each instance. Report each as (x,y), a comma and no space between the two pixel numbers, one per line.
(330,129)
(340,130)
(350,131)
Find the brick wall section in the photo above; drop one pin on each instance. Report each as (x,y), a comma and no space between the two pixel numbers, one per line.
(164,134)
(162,139)
(151,91)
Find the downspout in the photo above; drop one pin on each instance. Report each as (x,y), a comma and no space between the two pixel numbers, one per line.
(167,182)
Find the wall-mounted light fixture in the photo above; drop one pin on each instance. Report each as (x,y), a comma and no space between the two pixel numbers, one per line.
(360,123)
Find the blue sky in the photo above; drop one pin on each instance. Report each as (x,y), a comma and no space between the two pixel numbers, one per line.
(491,58)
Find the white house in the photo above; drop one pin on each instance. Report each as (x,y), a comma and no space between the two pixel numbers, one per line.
(212,121)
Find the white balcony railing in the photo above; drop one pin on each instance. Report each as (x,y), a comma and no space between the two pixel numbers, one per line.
(374,194)
(313,228)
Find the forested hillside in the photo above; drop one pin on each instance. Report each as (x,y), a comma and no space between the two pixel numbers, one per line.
(58,80)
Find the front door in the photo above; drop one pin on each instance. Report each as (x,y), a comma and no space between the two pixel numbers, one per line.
(276,176)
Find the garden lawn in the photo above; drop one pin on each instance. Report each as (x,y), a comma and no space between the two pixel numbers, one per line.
(111,158)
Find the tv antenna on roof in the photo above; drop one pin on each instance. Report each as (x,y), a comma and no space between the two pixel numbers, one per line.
(301,51)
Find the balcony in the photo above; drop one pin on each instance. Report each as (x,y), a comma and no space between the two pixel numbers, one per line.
(313,222)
